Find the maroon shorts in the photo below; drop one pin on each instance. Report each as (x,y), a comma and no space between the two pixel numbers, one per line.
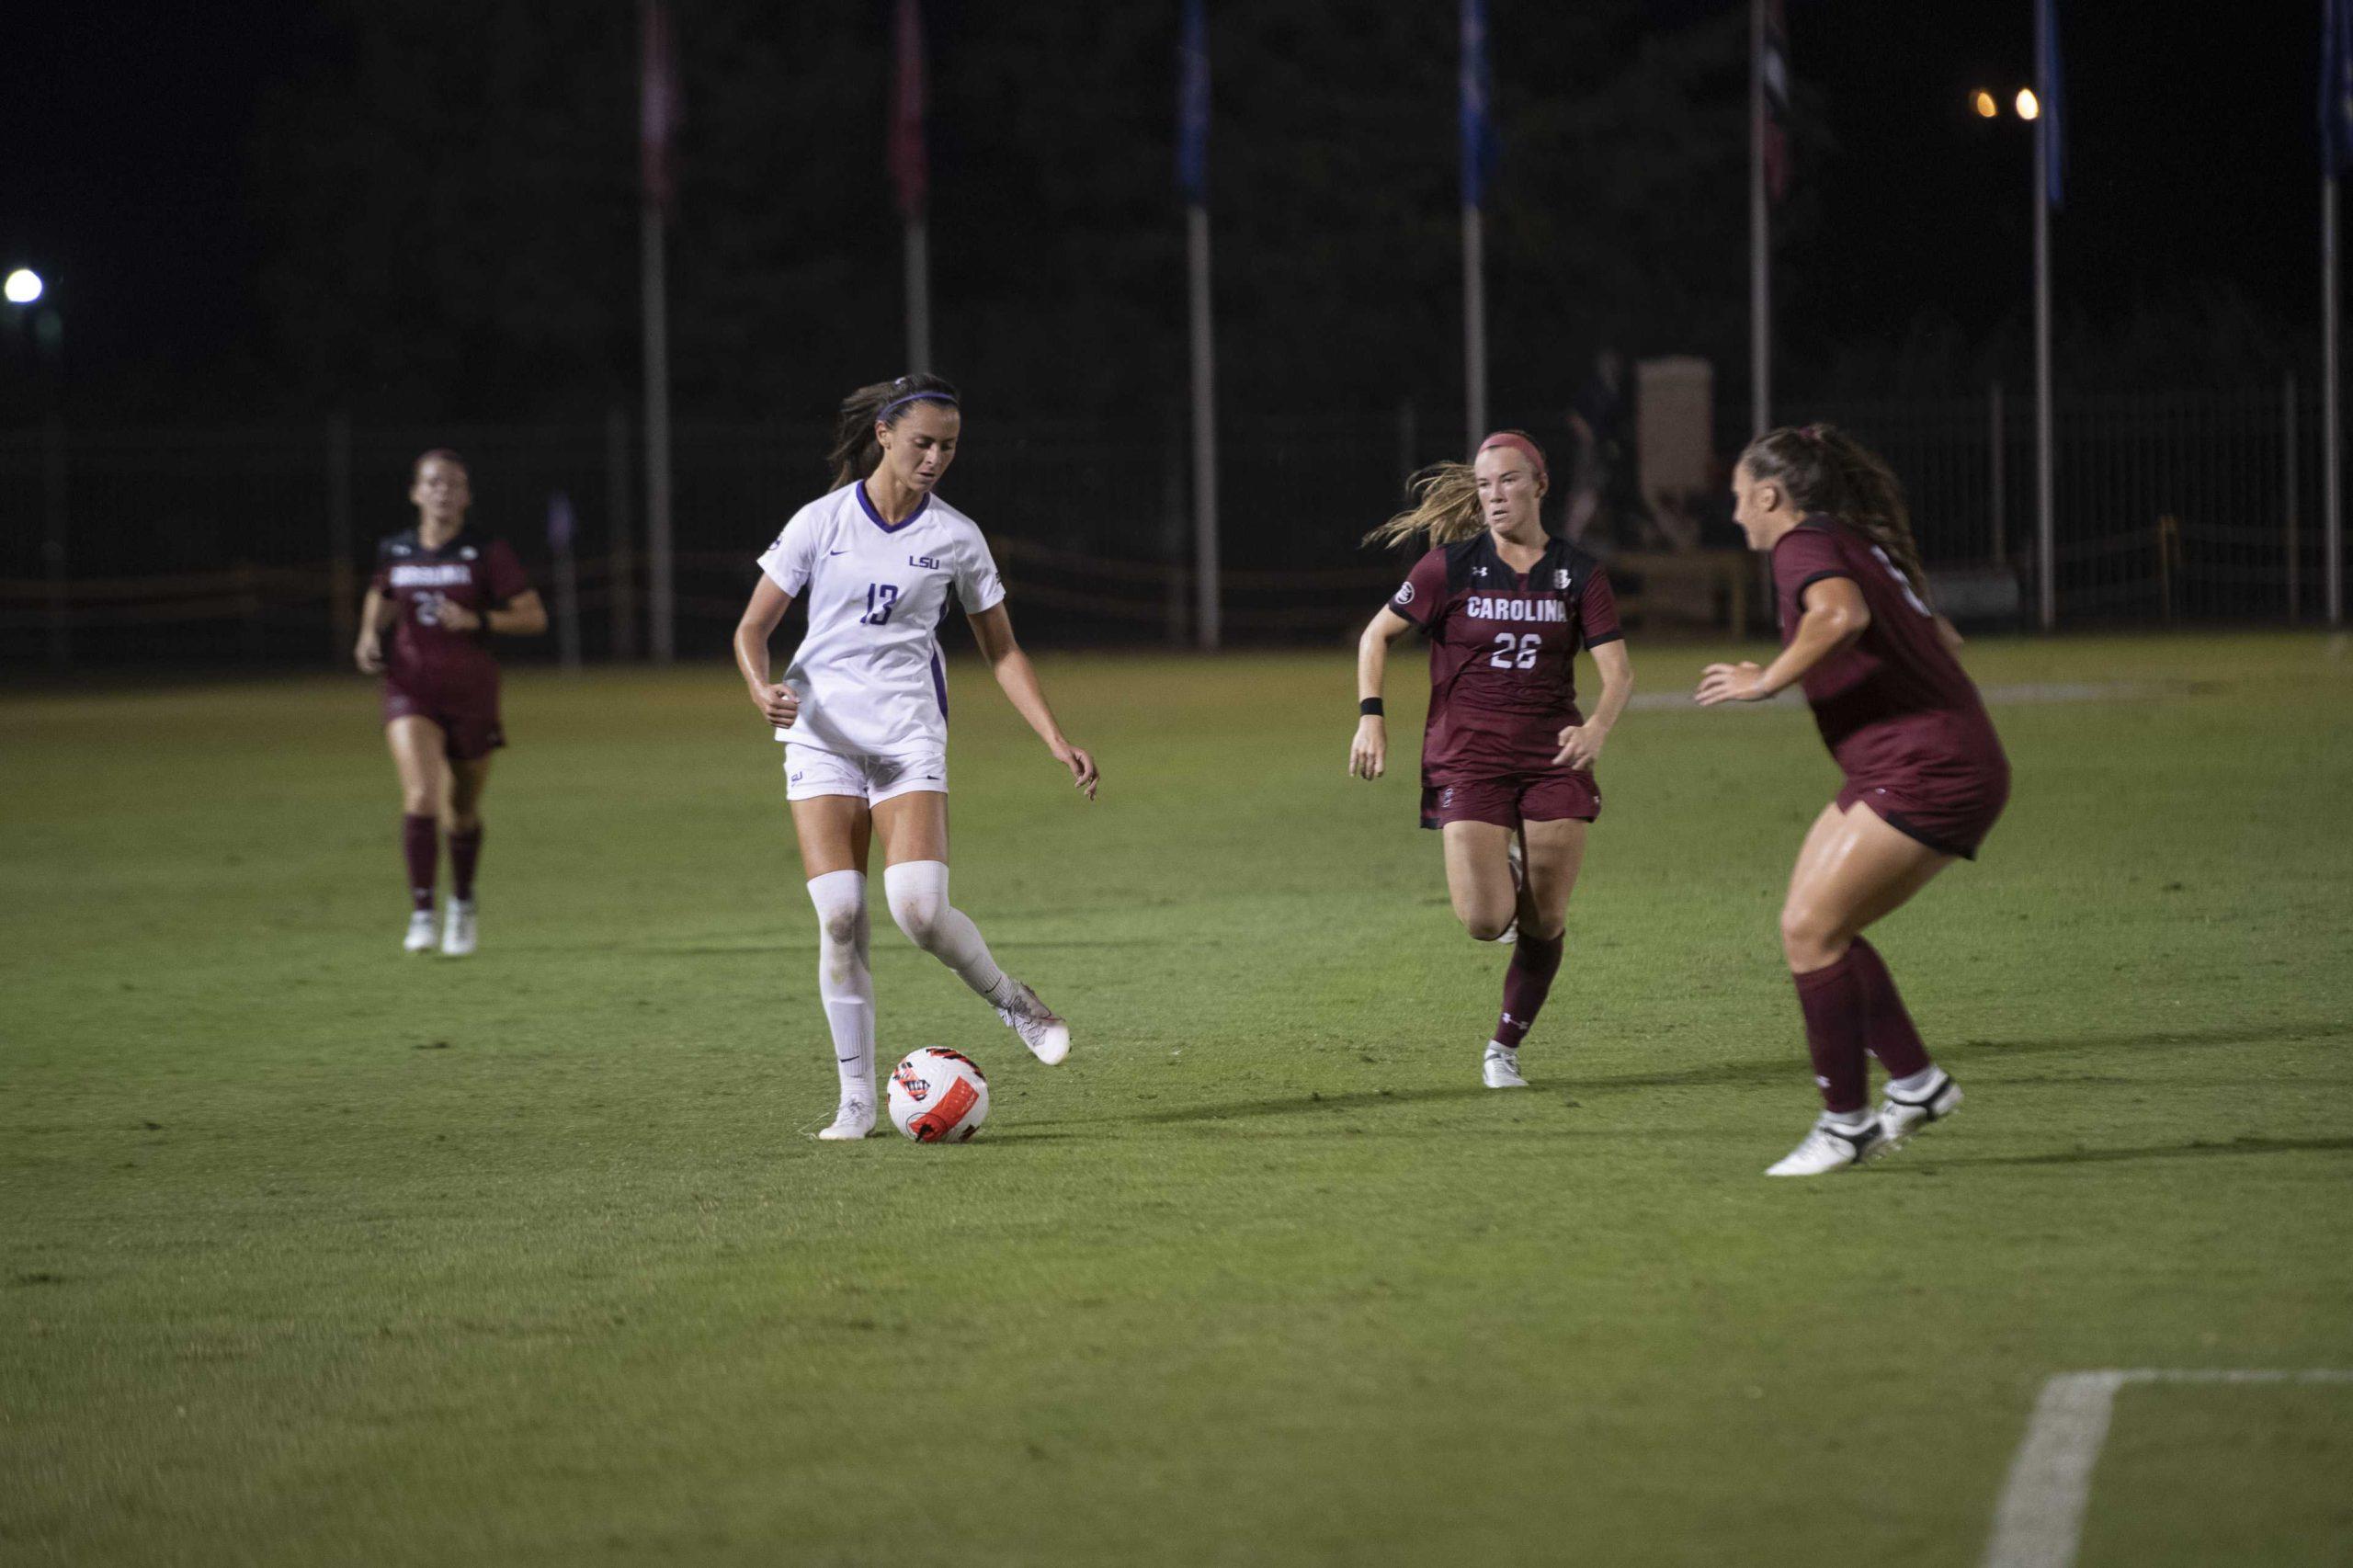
(1510,798)
(1951,817)
(470,732)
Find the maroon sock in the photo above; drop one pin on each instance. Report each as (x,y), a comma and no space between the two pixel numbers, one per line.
(1534,962)
(1889,1032)
(465,851)
(421,842)
(1834,1001)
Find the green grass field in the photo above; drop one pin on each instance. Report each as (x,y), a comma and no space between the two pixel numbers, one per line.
(314,1253)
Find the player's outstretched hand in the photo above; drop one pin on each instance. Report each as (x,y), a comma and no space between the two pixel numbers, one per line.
(779,705)
(1083,771)
(1580,746)
(1729,683)
(1368,752)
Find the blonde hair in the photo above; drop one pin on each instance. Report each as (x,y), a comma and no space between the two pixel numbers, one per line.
(1445,508)
(1825,470)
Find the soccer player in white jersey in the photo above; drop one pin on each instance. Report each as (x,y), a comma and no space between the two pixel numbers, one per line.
(863,711)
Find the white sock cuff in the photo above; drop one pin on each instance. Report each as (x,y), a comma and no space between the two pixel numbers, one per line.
(837,890)
(917,879)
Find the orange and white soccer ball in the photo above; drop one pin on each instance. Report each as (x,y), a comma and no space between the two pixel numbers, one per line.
(937,1096)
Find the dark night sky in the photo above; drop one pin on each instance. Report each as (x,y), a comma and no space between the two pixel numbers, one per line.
(2192,165)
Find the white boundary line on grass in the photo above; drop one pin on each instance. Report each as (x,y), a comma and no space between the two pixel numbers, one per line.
(2039,1519)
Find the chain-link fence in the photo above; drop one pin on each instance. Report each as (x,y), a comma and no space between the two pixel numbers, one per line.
(212,546)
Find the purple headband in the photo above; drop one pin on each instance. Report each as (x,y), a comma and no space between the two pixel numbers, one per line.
(884,411)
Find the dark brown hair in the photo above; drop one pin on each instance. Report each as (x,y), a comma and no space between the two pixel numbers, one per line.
(855,452)
(417,468)
(1822,469)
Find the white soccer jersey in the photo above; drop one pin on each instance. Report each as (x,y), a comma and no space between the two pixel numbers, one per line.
(868,673)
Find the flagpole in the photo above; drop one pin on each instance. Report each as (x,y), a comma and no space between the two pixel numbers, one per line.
(1205,540)
(2046,528)
(1474,322)
(1760,288)
(2332,494)
(918,249)
(660,634)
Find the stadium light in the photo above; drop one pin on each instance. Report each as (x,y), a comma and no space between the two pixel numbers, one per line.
(2027,106)
(1986,105)
(24,286)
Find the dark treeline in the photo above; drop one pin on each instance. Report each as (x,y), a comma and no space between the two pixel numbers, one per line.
(435,212)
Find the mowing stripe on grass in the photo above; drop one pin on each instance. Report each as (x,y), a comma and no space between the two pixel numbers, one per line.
(2039,1519)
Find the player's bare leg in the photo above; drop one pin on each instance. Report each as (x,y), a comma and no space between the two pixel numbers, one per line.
(419,746)
(1853,870)
(1488,898)
(835,832)
(914,830)
(469,777)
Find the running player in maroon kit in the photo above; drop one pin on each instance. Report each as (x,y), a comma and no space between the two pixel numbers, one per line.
(443,590)
(1506,757)
(1924,773)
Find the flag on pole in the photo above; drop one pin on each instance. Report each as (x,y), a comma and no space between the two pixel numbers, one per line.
(1478,91)
(1193,105)
(1773,72)
(2047,90)
(910,173)
(2336,86)
(659,109)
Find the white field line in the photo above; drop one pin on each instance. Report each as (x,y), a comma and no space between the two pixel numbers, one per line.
(2039,1519)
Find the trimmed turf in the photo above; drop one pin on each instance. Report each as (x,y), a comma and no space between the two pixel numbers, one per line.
(312,1253)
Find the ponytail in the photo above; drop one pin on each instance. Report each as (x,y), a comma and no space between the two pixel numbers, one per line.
(1445,508)
(855,452)
(1822,469)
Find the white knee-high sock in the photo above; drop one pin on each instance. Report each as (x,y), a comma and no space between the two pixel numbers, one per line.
(844,984)
(918,890)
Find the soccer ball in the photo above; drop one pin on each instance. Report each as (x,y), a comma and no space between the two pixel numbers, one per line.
(937,1096)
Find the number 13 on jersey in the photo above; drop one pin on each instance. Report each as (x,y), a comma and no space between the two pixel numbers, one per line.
(881,599)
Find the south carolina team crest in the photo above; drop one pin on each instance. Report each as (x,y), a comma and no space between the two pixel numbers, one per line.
(1406,594)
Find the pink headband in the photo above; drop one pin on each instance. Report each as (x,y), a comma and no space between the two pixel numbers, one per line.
(1515,440)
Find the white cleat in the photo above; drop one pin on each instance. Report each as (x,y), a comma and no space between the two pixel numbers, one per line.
(852,1120)
(1830,1148)
(1499,1069)
(1902,1115)
(458,930)
(1047,1035)
(420,937)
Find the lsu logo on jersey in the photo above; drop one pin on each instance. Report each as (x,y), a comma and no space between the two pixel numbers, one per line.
(925,561)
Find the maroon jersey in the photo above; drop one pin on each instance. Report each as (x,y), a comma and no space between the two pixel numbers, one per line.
(1895,708)
(428,658)
(1503,652)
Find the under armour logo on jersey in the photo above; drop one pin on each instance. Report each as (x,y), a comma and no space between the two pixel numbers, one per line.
(1478,571)
(467,553)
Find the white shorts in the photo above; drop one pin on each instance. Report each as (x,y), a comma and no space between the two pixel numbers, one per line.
(808,772)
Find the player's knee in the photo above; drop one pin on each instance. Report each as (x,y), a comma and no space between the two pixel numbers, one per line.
(919,918)
(1810,938)
(1485,926)
(419,802)
(840,926)
(1543,930)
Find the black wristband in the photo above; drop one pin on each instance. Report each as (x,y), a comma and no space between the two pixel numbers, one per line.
(1369,707)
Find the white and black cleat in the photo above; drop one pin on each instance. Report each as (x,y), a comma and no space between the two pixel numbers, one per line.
(421,937)
(1047,1035)
(853,1120)
(1499,1069)
(1902,1115)
(1830,1147)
